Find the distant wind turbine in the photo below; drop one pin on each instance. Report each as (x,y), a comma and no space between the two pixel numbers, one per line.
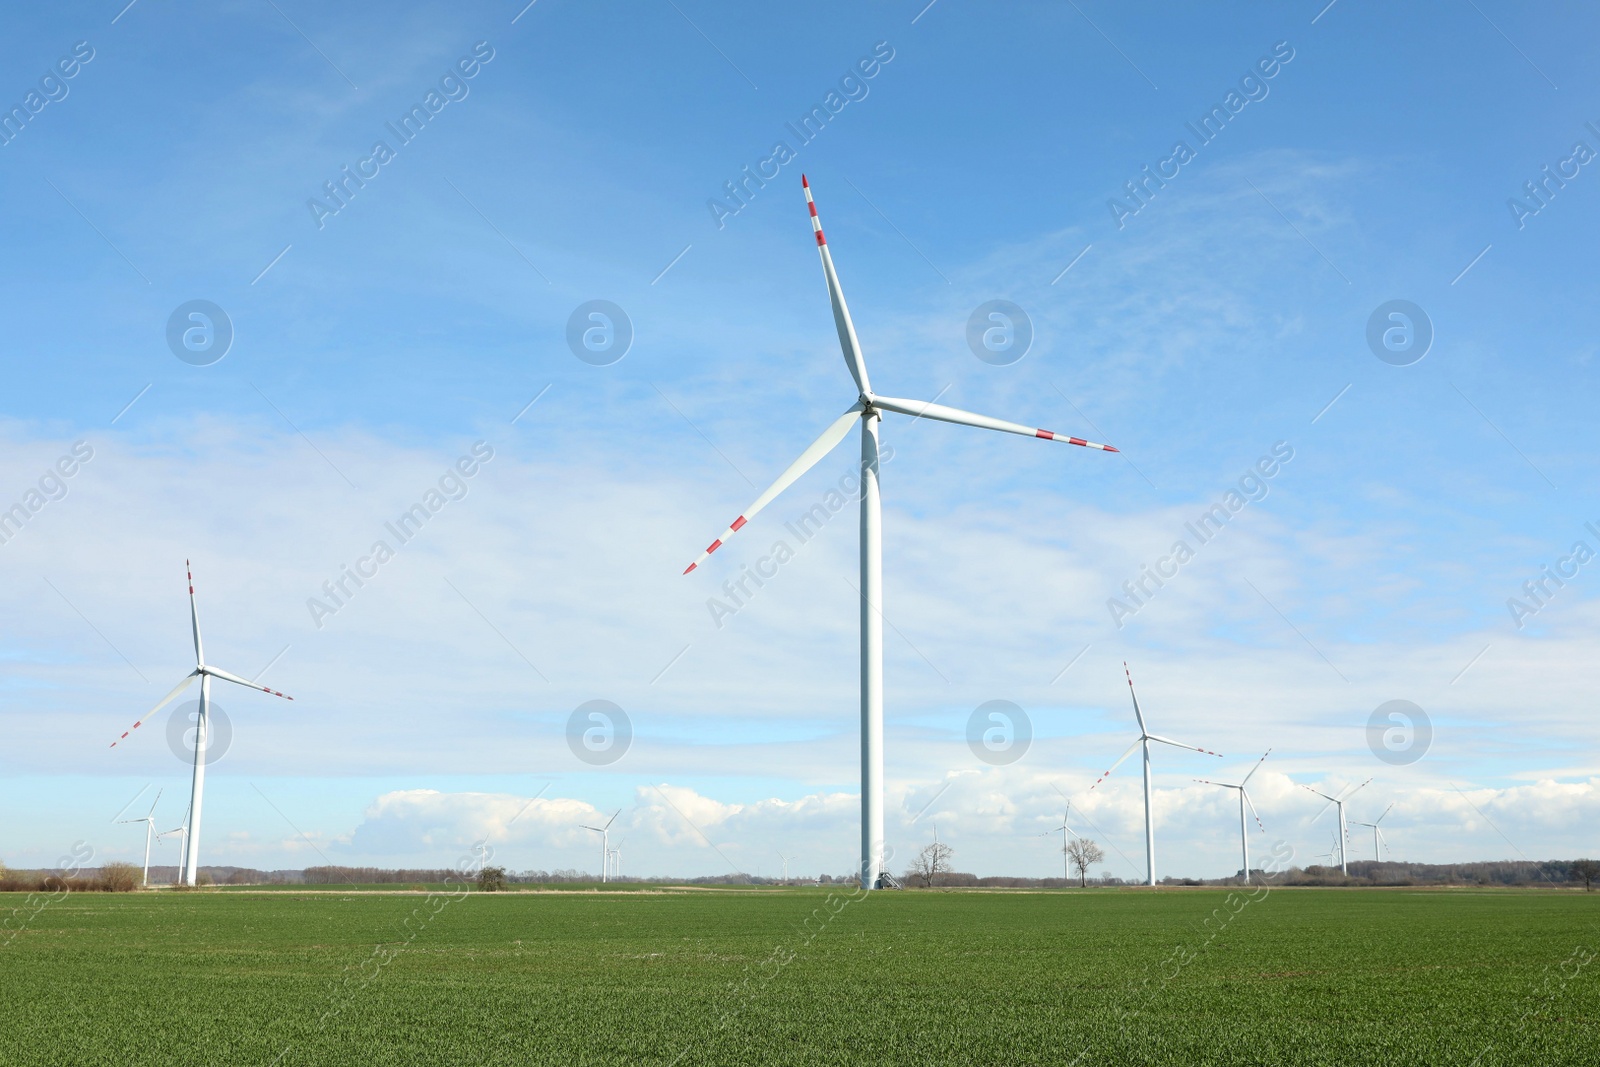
(1344,829)
(182,832)
(1378,841)
(205,673)
(868,410)
(1066,834)
(605,844)
(149,831)
(1143,742)
(1244,798)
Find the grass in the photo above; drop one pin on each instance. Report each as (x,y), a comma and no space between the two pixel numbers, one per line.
(1298,976)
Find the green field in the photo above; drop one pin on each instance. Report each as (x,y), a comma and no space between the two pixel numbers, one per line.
(1335,977)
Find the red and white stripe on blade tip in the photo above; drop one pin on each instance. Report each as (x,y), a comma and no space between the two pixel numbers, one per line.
(738,524)
(816,223)
(1080,442)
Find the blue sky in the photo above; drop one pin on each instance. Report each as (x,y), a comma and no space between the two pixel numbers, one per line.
(373,346)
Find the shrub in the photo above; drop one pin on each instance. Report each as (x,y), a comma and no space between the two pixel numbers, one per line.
(120,877)
(492,879)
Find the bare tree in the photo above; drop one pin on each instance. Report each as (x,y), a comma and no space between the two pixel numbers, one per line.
(1588,871)
(1084,854)
(930,863)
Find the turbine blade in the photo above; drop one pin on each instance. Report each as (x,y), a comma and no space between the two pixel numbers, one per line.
(1356,790)
(1224,785)
(928,410)
(1136,712)
(1180,744)
(188,680)
(1324,796)
(217,672)
(841,314)
(1253,810)
(613,818)
(1131,749)
(194,616)
(154,802)
(1257,767)
(809,458)
(1385,814)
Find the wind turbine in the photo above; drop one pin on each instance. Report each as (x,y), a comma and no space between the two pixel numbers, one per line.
(182,831)
(1244,798)
(149,829)
(1333,849)
(605,844)
(1344,829)
(1145,737)
(204,672)
(868,412)
(785,860)
(1066,832)
(1377,834)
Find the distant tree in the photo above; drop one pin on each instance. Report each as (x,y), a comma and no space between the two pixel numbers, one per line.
(1588,871)
(930,863)
(1084,854)
(120,877)
(492,879)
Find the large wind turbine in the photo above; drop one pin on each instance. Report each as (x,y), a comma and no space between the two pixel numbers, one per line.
(605,845)
(149,821)
(1244,798)
(1145,737)
(1344,829)
(868,411)
(204,672)
(1377,834)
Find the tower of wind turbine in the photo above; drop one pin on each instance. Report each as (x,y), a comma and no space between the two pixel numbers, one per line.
(868,411)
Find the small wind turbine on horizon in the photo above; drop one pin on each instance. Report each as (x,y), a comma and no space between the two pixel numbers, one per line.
(182,831)
(1343,832)
(1333,849)
(1145,737)
(1378,840)
(1066,834)
(1244,798)
(204,672)
(605,845)
(868,412)
(149,821)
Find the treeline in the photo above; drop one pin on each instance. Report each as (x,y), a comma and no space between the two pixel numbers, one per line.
(374,875)
(124,877)
(1492,873)
(112,878)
